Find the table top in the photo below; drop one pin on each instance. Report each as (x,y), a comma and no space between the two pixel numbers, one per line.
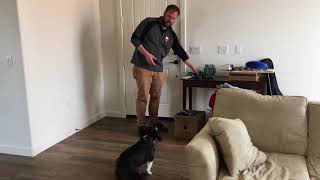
(225,78)
(216,79)
(268,71)
(212,79)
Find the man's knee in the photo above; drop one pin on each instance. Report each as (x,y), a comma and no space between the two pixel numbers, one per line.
(142,99)
(154,98)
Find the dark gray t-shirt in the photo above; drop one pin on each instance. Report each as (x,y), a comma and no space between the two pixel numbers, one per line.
(157,41)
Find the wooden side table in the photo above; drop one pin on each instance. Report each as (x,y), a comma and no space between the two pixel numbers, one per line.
(259,86)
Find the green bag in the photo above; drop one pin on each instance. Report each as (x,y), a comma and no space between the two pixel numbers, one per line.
(209,71)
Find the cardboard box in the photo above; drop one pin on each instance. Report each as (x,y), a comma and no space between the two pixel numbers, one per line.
(188,123)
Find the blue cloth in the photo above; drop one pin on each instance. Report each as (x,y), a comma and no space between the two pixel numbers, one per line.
(257,65)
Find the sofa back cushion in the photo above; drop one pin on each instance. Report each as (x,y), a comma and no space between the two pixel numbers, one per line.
(238,152)
(275,123)
(313,149)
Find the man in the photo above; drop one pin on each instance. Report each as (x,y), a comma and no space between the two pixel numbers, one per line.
(153,39)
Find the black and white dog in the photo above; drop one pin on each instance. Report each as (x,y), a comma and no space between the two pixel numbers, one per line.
(137,160)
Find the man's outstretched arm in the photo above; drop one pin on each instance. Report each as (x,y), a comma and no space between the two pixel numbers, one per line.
(178,49)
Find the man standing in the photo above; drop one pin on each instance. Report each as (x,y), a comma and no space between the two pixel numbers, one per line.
(153,39)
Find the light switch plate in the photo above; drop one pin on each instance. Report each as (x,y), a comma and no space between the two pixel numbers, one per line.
(238,49)
(223,49)
(219,49)
(195,49)
(10,62)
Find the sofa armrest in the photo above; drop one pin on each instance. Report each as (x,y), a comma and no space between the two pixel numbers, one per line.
(313,149)
(202,156)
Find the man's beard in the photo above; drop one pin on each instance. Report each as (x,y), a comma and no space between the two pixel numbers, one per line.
(166,23)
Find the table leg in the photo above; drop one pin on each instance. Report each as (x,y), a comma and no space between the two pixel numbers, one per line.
(184,97)
(269,83)
(190,98)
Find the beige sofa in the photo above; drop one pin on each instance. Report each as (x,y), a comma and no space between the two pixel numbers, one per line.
(286,128)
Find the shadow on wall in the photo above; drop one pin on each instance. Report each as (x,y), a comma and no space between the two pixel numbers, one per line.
(90,69)
(111,68)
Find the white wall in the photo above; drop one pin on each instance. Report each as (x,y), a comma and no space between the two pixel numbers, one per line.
(63,60)
(14,124)
(63,67)
(286,31)
(112,76)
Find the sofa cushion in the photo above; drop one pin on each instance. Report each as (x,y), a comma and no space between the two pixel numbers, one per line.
(275,123)
(313,149)
(313,164)
(202,156)
(238,152)
(277,167)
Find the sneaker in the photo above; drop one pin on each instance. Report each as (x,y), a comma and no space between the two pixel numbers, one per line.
(161,127)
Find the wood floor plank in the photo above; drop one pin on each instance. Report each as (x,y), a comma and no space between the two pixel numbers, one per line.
(91,153)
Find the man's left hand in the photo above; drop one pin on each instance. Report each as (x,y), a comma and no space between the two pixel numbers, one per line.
(197,70)
(194,68)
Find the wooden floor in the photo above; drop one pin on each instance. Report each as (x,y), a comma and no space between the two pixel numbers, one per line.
(90,155)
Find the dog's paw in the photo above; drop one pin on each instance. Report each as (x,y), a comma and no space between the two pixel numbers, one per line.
(149,173)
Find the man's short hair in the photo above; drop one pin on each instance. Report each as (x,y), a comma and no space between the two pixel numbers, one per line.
(172,7)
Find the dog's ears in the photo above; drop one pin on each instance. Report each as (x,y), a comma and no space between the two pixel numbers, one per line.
(144,138)
(157,134)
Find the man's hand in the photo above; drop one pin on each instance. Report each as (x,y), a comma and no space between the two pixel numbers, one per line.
(150,59)
(193,67)
(197,70)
